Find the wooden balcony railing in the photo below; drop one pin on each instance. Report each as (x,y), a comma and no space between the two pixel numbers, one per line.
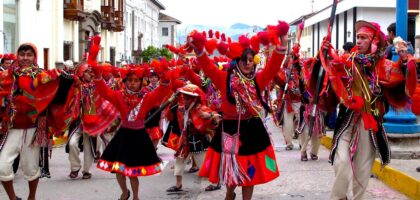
(119,21)
(73,10)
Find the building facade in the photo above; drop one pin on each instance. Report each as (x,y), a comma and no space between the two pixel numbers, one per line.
(141,19)
(61,29)
(168,30)
(347,13)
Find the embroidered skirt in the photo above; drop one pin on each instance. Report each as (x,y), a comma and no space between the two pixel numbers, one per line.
(131,153)
(255,156)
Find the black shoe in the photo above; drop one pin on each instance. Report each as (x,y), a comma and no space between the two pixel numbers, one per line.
(418,169)
(18,198)
(45,173)
(128,196)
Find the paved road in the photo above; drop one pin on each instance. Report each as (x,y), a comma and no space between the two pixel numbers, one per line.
(311,180)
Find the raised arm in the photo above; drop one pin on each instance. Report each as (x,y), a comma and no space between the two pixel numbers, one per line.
(210,69)
(270,70)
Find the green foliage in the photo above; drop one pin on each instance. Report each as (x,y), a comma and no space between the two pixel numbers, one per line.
(151,53)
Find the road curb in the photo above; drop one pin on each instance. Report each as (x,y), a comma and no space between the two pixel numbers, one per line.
(394,178)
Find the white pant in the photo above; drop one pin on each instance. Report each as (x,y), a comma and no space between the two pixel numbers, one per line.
(314,139)
(19,142)
(288,123)
(74,151)
(352,182)
(180,162)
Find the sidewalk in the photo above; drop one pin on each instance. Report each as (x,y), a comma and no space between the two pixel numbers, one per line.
(303,180)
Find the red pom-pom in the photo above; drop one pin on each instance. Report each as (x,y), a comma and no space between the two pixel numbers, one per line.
(229,40)
(356,103)
(182,51)
(211,45)
(222,48)
(223,37)
(172,63)
(217,34)
(235,50)
(263,38)
(216,59)
(204,33)
(1,56)
(199,40)
(255,43)
(210,33)
(164,63)
(244,41)
(282,28)
(179,62)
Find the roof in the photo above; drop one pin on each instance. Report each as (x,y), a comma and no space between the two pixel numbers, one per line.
(158,4)
(167,18)
(301,18)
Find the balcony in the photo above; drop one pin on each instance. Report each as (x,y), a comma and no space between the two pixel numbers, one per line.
(108,17)
(73,10)
(136,53)
(119,21)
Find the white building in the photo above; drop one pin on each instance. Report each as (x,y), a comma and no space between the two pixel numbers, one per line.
(142,19)
(60,29)
(168,30)
(347,13)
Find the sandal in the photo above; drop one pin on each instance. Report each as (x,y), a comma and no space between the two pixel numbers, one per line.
(128,196)
(289,147)
(18,198)
(174,189)
(304,157)
(418,169)
(86,175)
(74,174)
(314,157)
(213,187)
(193,170)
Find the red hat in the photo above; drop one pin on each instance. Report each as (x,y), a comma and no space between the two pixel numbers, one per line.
(82,68)
(373,31)
(193,90)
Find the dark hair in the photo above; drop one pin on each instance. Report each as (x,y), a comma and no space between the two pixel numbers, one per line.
(2,61)
(348,46)
(392,28)
(26,47)
(245,54)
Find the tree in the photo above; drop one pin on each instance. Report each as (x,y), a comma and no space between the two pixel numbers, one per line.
(152,52)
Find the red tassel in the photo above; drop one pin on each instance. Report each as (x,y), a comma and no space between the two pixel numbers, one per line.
(255,43)
(217,34)
(211,45)
(210,33)
(172,63)
(244,41)
(222,48)
(369,122)
(223,37)
(179,62)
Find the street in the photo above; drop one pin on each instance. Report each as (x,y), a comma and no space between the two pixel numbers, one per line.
(298,180)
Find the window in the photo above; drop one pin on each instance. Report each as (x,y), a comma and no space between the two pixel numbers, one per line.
(165,31)
(10,24)
(68,50)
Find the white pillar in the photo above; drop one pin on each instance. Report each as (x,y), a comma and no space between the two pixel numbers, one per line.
(58,32)
(75,39)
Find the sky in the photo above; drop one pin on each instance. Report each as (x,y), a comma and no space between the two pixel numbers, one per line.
(227,12)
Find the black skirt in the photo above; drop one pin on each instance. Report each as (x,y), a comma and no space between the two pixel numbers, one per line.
(131,153)
(253,136)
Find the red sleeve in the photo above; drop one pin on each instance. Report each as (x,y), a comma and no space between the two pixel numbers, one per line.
(217,76)
(108,94)
(151,98)
(270,70)
(194,78)
(411,78)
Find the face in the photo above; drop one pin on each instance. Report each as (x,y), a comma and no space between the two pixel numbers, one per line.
(26,58)
(403,54)
(247,66)
(363,43)
(188,100)
(87,75)
(7,64)
(107,76)
(153,79)
(133,83)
